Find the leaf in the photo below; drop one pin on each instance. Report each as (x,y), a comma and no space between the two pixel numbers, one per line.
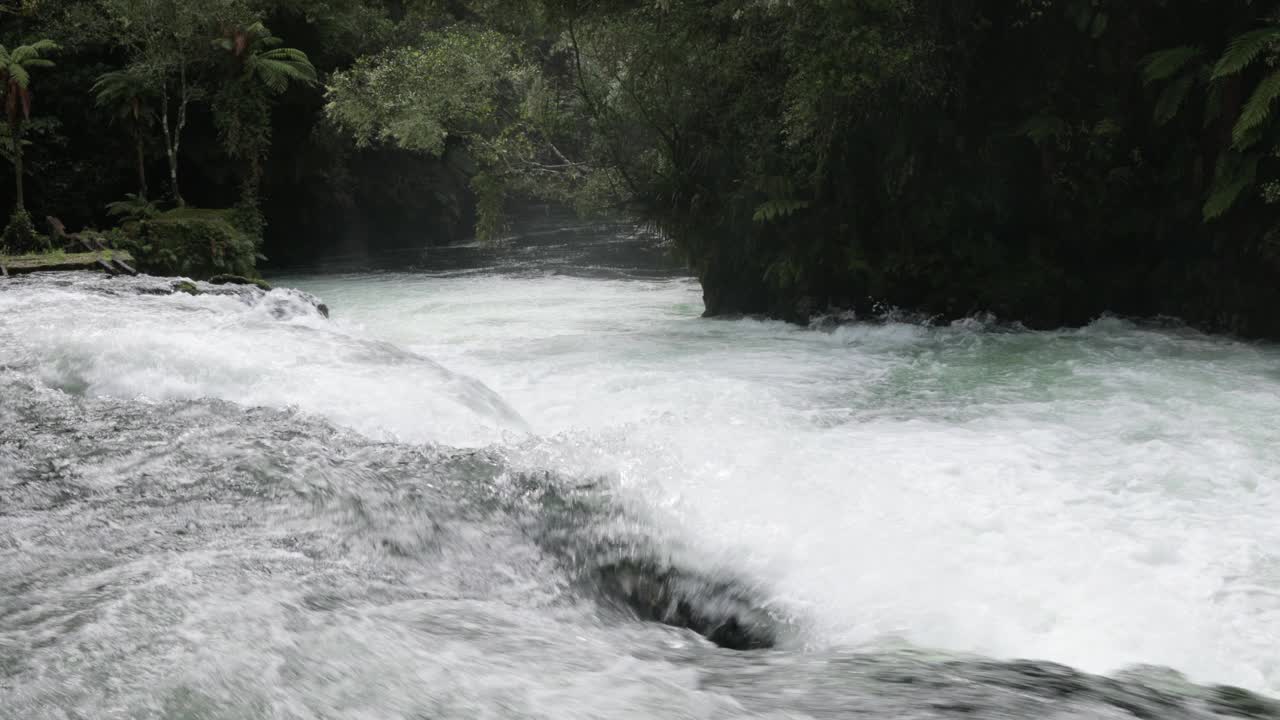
(1043,127)
(1243,50)
(1099,25)
(1222,199)
(777,209)
(1171,99)
(1165,64)
(1234,174)
(1256,111)
(19,75)
(1213,105)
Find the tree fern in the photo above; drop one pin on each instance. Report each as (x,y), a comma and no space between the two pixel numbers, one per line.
(15,91)
(133,207)
(1235,173)
(1243,50)
(265,61)
(19,75)
(1043,128)
(275,69)
(124,92)
(1256,111)
(1223,198)
(1165,64)
(1171,99)
(771,210)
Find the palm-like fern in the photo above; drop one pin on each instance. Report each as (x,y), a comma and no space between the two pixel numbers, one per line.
(1183,68)
(242,109)
(263,60)
(1239,56)
(126,93)
(15,84)
(129,94)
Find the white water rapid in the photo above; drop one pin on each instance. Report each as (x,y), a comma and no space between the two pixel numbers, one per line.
(1102,497)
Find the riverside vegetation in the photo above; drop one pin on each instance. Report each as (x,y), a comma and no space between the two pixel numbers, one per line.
(1043,160)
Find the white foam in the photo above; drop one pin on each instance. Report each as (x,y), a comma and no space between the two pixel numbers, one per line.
(1100,497)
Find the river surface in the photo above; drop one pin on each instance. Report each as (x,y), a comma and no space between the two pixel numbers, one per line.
(471,491)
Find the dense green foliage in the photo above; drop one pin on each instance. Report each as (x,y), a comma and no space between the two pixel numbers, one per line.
(20,236)
(177,101)
(193,243)
(16,67)
(1044,160)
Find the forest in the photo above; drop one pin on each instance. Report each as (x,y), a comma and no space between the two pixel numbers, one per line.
(1044,161)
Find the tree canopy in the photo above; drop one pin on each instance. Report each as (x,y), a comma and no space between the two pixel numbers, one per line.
(1045,160)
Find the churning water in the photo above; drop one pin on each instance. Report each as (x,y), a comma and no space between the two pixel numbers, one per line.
(471,491)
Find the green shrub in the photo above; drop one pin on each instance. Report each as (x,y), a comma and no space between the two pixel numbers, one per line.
(20,236)
(133,207)
(192,242)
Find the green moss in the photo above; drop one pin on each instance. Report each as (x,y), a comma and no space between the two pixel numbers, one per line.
(184,286)
(195,242)
(227,279)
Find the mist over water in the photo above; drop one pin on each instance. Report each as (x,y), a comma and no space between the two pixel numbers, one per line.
(230,506)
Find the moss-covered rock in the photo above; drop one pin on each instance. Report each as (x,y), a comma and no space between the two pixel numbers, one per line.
(195,243)
(226,279)
(20,236)
(186,286)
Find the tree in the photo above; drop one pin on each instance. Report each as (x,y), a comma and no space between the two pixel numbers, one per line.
(261,69)
(15,83)
(472,88)
(168,42)
(1241,125)
(128,94)
(1242,53)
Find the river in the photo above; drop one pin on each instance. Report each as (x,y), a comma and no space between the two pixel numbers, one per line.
(464,494)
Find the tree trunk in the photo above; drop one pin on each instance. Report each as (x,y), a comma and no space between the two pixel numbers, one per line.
(15,134)
(142,168)
(173,136)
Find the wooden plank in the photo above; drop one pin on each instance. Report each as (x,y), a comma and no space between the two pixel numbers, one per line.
(123,266)
(49,262)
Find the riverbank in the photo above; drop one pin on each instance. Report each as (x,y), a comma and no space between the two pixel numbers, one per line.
(110,261)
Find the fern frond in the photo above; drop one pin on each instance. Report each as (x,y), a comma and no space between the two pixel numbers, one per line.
(1171,99)
(1243,50)
(134,207)
(1165,64)
(276,74)
(1257,110)
(1222,199)
(771,210)
(287,54)
(25,53)
(1234,174)
(19,75)
(44,46)
(1043,127)
(1213,105)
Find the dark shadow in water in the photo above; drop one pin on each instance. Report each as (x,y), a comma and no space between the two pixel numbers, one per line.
(555,245)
